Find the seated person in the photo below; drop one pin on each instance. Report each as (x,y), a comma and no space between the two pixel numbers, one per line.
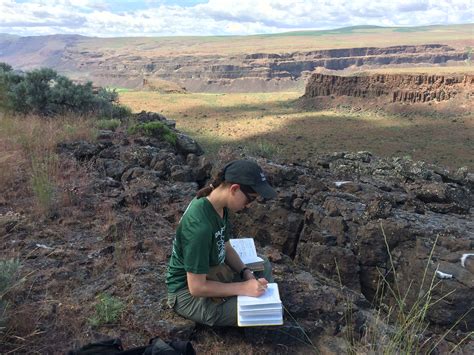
(205,274)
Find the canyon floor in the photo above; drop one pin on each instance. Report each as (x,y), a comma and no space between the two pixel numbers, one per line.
(275,125)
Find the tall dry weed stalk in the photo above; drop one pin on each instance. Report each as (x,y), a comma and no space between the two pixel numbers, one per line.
(400,327)
(8,168)
(125,255)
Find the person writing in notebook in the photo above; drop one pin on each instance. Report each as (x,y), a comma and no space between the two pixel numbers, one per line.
(205,274)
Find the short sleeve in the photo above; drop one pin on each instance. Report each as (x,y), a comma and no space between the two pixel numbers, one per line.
(196,242)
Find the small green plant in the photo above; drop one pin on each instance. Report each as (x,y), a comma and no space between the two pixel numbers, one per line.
(155,129)
(8,272)
(8,276)
(108,309)
(111,124)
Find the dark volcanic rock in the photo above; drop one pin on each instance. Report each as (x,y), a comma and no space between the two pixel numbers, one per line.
(368,219)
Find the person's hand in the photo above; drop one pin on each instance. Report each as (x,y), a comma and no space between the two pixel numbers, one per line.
(255,288)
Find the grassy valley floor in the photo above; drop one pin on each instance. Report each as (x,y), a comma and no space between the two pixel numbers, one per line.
(273,125)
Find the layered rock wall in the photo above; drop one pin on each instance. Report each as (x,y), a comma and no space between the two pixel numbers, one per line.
(257,71)
(395,88)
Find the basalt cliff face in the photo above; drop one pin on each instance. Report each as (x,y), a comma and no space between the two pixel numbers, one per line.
(253,72)
(137,65)
(391,87)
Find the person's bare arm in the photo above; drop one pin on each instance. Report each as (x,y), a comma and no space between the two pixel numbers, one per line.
(232,259)
(199,286)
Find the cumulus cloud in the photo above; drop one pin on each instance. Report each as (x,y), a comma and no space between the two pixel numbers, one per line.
(219,17)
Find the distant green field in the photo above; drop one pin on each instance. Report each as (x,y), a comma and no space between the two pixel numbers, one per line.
(343,30)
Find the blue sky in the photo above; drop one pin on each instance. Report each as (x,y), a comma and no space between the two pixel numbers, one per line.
(107,18)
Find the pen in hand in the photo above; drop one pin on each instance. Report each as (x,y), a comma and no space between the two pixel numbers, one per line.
(262,286)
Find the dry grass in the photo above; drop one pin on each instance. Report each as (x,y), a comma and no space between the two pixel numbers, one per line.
(125,254)
(29,165)
(400,326)
(275,121)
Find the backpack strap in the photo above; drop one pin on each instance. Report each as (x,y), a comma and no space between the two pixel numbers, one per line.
(183,347)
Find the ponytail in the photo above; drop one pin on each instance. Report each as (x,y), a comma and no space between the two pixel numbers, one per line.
(218,180)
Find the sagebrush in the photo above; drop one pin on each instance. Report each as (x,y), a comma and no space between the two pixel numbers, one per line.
(44,92)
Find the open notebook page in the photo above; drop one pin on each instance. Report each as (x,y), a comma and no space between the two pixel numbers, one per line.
(271,296)
(245,247)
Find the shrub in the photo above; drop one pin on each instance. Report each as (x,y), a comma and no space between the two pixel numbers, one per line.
(155,129)
(46,93)
(7,80)
(108,309)
(107,105)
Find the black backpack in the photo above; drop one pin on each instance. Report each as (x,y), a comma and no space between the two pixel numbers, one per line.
(156,347)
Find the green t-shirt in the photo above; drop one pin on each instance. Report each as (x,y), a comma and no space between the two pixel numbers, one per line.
(199,243)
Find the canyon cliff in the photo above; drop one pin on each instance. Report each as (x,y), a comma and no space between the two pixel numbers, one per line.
(404,88)
(134,63)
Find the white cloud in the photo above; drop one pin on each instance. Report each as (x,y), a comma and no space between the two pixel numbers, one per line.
(220,17)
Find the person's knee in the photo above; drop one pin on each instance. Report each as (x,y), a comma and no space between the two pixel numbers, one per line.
(267,269)
(219,319)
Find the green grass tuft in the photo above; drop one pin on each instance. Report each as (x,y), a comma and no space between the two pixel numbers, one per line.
(8,272)
(109,124)
(108,310)
(155,129)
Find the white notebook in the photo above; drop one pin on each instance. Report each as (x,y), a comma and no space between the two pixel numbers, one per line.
(245,247)
(258,311)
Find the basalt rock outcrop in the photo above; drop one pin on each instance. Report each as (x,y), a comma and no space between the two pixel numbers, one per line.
(390,88)
(359,219)
(340,224)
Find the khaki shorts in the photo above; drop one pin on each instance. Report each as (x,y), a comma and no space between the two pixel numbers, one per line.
(207,310)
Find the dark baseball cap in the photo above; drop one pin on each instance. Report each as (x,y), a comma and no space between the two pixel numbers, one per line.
(248,173)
